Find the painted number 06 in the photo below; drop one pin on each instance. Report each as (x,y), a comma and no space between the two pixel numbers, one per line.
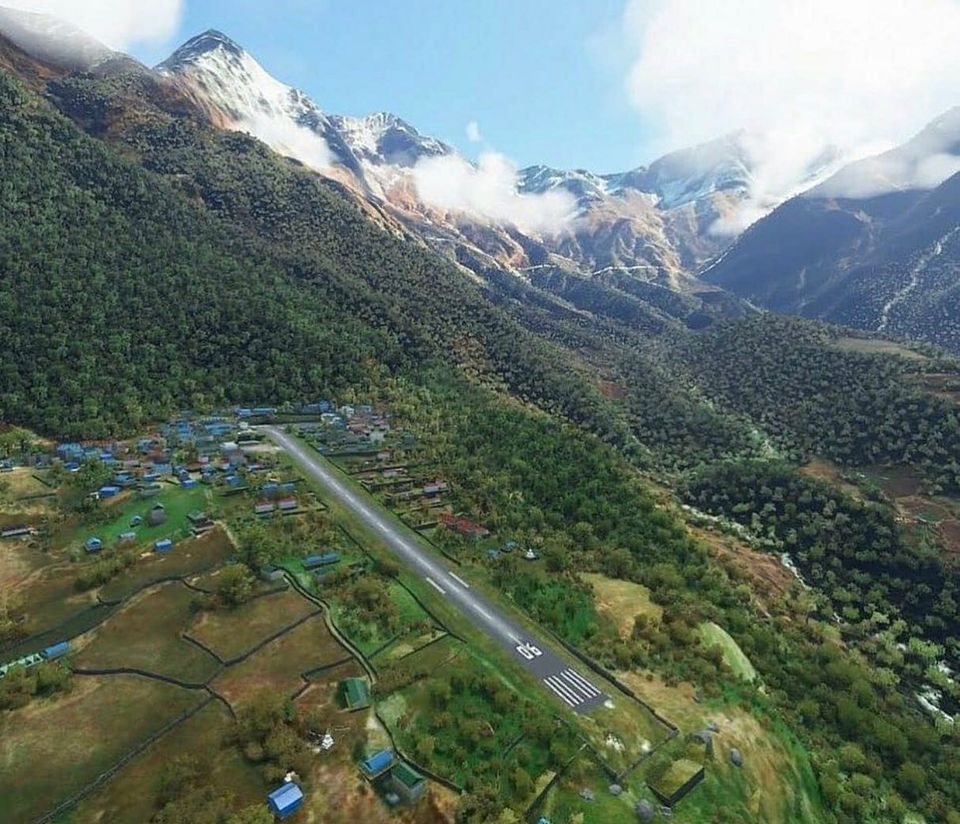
(528,651)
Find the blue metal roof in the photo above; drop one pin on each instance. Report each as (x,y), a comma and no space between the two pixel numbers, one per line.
(377,762)
(56,650)
(285,799)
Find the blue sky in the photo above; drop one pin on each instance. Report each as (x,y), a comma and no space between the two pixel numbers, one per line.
(540,77)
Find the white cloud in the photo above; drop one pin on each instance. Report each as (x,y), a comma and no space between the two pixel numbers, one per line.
(473,132)
(488,191)
(798,76)
(117,23)
(289,138)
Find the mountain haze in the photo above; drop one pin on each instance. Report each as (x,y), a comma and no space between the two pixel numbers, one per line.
(874,246)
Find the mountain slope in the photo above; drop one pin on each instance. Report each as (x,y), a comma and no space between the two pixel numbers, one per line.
(655,223)
(872,247)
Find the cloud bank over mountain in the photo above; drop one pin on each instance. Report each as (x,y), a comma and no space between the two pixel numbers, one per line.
(858,75)
(117,23)
(489,190)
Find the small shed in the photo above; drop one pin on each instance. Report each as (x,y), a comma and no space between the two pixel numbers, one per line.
(109,491)
(271,573)
(406,782)
(285,800)
(356,693)
(93,544)
(55,651)
(263,507)
(188,483)
(128,537)
(326,559)
(157,515)
(136,520)
(377,764)
(163,545)
(288,504)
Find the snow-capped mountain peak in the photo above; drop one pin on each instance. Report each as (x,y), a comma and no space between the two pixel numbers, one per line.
(383,138)
(234,81)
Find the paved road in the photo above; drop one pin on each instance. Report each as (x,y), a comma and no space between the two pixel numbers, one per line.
(568,685)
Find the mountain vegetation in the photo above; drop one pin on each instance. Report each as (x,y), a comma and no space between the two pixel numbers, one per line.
(152,262)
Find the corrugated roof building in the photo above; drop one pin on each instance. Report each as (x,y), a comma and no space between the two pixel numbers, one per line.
(285,800)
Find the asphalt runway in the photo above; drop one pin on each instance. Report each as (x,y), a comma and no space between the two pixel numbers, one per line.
(564,683)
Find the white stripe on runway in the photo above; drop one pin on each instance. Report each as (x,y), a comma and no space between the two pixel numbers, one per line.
(436,586)
(578,688)
(559,694)
(581,684)
(459,580)
(556,682)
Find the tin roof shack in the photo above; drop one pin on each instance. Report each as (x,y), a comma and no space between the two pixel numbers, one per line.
(264,507)
(288,505)
(356,693)
(200,522)
(317,561)
(163,545)
(157,515)
(271,573)
(55,651)
(93,544)
(377,764)
(285,800)
(463,526)
(406,782)
(675,780)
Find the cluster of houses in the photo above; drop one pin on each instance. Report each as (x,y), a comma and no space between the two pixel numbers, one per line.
(274,496)
(356,431)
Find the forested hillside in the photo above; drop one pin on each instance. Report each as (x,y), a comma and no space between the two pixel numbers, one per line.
(152,262)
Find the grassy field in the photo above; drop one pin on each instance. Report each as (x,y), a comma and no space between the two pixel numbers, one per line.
(232,632)
(564,803)
(483,729)
(776,782)
(118,512)
(622,601)
(278,666)
(185,559)
(47,749)
(49,597)
(734,657)
(146,634)
(132,798)
(871,346)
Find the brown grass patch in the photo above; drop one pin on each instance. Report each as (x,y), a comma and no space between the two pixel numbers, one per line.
(52,748)
(623,601)
(130,798)
(146,633)
(278,666)
(770,579)
(232,632)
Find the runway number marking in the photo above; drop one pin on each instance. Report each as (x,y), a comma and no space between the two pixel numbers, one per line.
(529,651)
